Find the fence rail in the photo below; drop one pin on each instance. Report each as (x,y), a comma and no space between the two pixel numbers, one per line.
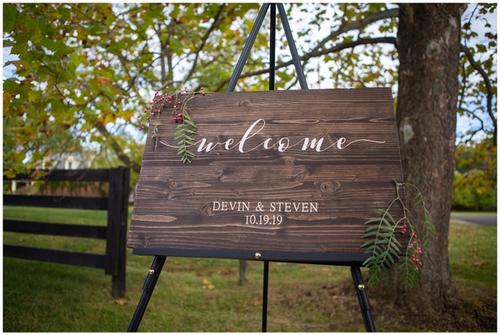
(56,201)
(55,256)
(56,229)
(116,204)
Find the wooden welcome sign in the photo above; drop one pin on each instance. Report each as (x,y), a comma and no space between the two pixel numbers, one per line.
(280,175)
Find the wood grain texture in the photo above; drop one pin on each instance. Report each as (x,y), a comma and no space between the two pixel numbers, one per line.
(174,203)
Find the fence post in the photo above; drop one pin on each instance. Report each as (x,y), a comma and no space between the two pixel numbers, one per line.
(117,229)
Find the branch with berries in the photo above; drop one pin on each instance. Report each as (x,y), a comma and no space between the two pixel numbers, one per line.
(185,127)
(383,245)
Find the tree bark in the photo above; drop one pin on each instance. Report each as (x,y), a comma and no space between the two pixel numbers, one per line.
(429,49)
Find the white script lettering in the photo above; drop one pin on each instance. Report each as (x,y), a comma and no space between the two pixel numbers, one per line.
(282,144)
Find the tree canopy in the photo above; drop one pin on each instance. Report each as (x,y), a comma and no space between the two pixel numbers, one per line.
(475,183)
(79,76)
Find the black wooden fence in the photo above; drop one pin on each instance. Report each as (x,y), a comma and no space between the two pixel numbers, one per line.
(116,204)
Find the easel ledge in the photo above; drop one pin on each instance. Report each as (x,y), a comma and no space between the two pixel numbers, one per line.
(341,259)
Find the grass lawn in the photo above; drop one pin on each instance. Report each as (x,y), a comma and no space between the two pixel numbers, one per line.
(196,294)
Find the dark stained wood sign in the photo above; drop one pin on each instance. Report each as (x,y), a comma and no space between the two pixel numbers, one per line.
(280,175)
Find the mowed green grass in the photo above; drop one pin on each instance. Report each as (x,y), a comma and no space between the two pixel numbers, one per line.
(473,253)
(195,294)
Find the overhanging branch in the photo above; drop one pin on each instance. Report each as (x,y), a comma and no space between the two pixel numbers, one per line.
(356,25)
(318,53)
(204,39)
(487,83)
(116,148)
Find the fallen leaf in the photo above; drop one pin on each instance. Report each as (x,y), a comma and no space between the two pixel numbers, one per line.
(120,301)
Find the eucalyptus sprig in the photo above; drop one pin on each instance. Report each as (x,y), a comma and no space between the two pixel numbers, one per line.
(385,248)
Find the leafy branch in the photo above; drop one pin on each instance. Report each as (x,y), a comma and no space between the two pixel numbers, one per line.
(384,233)
(185,129)
(184,136)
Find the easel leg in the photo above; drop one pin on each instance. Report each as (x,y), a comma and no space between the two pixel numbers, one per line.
(364,304)
(265,286)
(147,291)
(272,64)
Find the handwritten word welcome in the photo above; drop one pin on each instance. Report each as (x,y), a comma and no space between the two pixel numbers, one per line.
(282,144)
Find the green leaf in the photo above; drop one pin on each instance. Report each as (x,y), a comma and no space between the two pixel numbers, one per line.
(481,48)
(9,17)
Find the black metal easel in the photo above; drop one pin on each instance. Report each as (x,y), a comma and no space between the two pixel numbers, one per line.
(159,261)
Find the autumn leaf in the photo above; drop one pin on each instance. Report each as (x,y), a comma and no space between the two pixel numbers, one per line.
(127,115)
(207,284)
(120,302)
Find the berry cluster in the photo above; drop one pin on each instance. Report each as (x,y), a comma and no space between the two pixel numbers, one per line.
(404,228)
(177,114)
(155,106)
(413,244)
(417,251)
(159,101)
(175,101)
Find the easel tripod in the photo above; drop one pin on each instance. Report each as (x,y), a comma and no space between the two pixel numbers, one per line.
(159,261)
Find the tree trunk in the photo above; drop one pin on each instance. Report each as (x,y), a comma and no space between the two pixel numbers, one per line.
(429,48)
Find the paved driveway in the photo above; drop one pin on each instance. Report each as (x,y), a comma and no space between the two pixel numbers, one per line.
(479,218)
